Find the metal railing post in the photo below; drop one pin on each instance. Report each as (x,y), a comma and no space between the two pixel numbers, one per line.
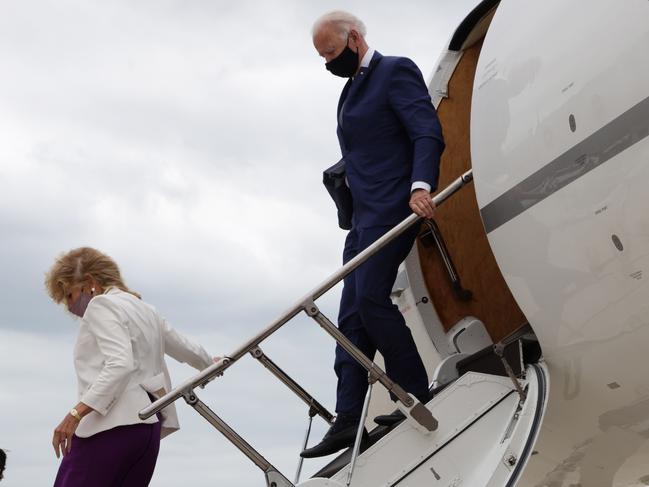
(299,391)
(423,418)
(244,447)
(359,433)
(499,350)
(312,413)
(375,372)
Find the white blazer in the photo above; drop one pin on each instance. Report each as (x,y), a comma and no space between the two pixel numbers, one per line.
(119,357)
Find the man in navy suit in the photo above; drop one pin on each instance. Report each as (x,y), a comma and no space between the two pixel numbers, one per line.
(391,141)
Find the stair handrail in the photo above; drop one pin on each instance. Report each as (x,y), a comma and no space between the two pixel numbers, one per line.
(306,303)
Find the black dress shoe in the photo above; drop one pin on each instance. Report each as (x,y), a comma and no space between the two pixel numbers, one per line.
(341,435)
(390,419)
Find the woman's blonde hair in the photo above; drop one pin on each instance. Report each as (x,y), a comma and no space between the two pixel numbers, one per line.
(74,267)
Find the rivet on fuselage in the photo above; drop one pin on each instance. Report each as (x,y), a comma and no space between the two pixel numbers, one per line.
(617,242)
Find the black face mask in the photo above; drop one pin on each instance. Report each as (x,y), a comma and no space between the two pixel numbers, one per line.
(345,64)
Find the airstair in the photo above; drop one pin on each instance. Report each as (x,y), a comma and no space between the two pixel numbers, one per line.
(464,413)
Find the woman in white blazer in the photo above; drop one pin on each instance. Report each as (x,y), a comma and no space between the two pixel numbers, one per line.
(120,366)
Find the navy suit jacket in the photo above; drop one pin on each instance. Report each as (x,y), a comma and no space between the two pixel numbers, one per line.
(390,136)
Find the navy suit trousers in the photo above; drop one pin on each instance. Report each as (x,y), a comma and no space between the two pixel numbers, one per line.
(372,322)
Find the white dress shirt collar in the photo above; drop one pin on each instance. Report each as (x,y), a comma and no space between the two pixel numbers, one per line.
(365,62)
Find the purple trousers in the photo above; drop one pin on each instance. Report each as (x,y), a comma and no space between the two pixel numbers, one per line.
(124,456)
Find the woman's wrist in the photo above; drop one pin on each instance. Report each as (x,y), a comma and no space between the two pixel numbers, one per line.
(81,409)
(75,414)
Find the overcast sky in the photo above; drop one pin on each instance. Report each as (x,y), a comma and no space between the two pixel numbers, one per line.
(187,140)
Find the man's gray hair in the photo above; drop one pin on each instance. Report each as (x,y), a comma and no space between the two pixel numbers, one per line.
(342,21)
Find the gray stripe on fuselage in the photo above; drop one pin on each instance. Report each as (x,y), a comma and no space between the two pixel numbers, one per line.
(615,137)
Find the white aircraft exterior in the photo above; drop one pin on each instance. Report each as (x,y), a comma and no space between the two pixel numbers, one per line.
(562,191)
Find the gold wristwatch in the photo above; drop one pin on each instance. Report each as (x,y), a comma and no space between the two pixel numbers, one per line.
(75,414)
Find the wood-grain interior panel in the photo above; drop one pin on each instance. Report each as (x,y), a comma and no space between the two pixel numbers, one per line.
(461,227)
